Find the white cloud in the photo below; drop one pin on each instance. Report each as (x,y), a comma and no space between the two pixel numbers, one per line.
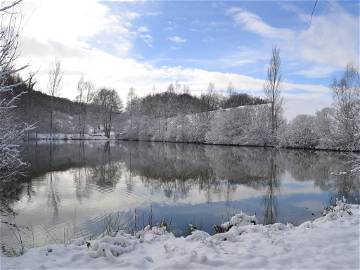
(254,23)
(332,39)
(71,31)
(291,7)
(328,44)
(72,24)
(143,33)
(143,29)
(316,71)
(177,39)
(244,56)
(307,104)
(308,89)
(147,38)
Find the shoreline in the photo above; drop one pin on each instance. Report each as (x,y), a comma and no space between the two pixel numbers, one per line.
(242,245)
(199,143)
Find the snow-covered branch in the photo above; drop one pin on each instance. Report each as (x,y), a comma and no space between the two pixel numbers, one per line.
(11,131)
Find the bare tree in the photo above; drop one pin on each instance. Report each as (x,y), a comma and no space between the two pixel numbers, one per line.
(54,85)
(129,105)
(346,95)
(210,100)
(31,82)
(110,103)
(186,89)
(272,89)
(177,87)
(171,88)
(85,95)
(230,89)
(11,132)
(211,88)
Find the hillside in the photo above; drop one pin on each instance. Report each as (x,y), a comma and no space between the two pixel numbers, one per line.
(34,107)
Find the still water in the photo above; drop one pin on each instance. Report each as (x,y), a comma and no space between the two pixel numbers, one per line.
(75,189)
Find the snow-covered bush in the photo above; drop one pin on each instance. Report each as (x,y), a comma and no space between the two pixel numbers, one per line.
(301,132)
(245,125)
(323,127)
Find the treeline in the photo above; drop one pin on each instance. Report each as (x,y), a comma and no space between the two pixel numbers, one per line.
(212,118)
(171,103)
(102,110)
(208,119)
(247,125)
(244,125)
(180,117)
(34,107)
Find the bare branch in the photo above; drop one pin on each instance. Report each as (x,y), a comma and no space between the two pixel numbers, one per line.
(313,11)
(15,3)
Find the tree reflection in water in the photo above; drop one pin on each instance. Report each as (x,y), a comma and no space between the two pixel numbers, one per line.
(53,198)
(176,170)
(271,191)
(107,172)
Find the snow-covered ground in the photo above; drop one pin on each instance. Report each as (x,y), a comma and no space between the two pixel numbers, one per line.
(331,241)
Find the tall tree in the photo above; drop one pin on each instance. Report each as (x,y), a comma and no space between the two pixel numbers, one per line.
(130,105)
(171,88)
(230,89)
(346,95)
(210,100)
(54,85)
(85,91)
(110,103)
(272,89)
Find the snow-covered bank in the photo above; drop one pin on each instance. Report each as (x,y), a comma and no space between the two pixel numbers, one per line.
(331,241)
(68,136)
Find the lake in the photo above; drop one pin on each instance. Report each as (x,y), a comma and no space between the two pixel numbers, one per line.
(74,189)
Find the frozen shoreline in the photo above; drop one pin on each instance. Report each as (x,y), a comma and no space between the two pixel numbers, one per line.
(331,241)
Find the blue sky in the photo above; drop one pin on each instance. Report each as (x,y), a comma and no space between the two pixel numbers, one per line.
(209,37)
(149,44)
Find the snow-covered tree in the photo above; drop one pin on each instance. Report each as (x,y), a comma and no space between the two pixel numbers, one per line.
(301,132)
(324,122)
(110,103)
(11,132)
(346,95)
(242,125)
(272,89)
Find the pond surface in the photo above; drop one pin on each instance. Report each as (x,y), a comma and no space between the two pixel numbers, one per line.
(76,189)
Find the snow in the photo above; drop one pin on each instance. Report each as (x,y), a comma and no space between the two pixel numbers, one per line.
(74,136)
(331,241)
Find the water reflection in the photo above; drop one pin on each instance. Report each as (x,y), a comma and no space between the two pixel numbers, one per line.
(53,199)
(183,181)
(106,173)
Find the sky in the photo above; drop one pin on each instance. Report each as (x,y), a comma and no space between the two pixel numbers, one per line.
(150,44)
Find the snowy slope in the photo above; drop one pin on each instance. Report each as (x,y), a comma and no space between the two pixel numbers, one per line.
(331,241)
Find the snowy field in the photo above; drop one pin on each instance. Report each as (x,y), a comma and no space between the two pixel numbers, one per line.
(329,242)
